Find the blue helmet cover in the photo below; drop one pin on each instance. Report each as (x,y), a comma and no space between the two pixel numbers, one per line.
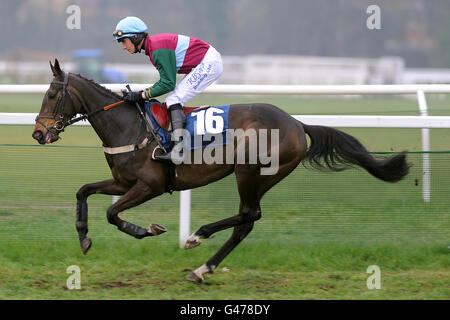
(129,27)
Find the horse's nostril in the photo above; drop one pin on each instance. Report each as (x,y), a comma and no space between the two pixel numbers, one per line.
(37,135)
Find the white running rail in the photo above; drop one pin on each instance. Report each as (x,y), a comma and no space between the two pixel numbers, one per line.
(423,121)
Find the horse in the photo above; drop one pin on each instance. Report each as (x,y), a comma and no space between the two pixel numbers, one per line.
(138,178)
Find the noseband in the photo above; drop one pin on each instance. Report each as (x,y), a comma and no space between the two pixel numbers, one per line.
(59,124)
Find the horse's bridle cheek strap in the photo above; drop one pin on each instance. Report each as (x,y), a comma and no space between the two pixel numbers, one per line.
(60,104)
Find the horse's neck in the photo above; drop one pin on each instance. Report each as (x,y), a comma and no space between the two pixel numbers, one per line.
(115,127)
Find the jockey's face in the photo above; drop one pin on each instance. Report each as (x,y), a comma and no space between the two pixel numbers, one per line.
(127,45)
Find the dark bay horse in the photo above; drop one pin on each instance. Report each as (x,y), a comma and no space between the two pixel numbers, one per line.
(138,178)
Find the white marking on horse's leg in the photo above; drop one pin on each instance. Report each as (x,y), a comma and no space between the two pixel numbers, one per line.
(197,274)
(193,241)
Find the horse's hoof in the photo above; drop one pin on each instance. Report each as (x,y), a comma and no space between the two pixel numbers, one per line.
(86,244)
(193,277)
(192,242)
(156,229)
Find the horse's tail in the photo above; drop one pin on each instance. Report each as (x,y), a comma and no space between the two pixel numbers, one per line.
(334,150)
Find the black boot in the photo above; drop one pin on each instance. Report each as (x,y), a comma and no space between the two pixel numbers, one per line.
(178,120)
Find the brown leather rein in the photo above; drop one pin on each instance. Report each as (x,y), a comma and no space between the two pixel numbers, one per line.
(84,117)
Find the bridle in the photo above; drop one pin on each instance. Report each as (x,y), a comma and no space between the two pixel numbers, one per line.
(59,124)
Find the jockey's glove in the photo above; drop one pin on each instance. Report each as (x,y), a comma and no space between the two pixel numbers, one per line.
(133,96)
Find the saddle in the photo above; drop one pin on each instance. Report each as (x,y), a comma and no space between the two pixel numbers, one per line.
(159,117)
(160,114)
(158,122)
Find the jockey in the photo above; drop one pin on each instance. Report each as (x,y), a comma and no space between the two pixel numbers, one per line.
(171,54)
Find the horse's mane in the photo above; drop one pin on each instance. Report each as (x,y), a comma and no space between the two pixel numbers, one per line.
(99,86)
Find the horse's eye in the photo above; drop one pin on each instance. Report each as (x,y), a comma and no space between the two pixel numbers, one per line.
(51,94)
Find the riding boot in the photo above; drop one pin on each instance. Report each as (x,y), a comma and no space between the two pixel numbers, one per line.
(178,120)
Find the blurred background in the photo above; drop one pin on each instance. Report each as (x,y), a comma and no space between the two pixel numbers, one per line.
(261,41)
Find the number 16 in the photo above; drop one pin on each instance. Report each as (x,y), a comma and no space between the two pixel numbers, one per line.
(207,122)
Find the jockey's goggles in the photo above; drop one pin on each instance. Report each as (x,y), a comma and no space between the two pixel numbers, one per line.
(119,34)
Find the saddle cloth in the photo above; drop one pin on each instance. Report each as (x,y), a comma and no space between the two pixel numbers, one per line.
(206,125)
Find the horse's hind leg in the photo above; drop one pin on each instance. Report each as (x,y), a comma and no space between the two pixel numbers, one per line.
(249,210)
(252,187)
(250,214)
(138,194)
(103,187)
(239,234)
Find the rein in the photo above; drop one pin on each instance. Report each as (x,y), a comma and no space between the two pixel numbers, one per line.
(84,117)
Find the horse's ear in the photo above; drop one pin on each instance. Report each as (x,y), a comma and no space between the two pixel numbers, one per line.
(56,69)
(52,67)
(57,66)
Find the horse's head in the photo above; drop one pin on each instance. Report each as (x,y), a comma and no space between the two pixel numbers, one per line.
(57,107)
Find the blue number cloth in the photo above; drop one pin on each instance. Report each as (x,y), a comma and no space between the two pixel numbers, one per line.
(207,127)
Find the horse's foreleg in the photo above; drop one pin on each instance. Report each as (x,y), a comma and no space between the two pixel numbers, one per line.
(103,187)
(138,194)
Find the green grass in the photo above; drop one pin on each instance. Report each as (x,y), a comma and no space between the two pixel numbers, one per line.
(318,234)
(129,269)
